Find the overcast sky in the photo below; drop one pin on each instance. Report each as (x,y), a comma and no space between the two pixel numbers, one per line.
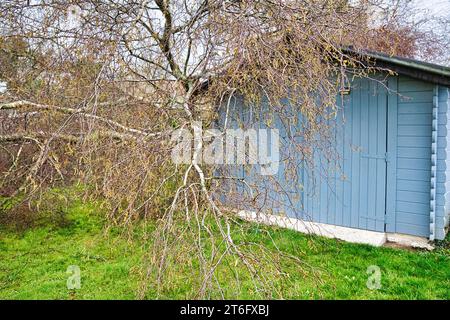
(435,7)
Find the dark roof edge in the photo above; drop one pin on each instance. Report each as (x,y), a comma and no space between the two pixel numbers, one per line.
(410,67)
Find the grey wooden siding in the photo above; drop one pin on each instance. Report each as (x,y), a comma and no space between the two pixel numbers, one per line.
(352,192)
(381,178)
(414,114)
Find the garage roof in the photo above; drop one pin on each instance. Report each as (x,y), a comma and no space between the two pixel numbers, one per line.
(414,68)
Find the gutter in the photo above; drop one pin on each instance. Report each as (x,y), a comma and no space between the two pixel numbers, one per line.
(411,63)
(414,68)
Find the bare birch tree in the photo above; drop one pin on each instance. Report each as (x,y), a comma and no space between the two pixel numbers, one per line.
(96,88)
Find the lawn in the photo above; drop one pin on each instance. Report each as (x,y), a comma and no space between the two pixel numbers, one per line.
(34,261)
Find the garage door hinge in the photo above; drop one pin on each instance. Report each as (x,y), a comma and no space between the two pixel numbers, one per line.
(387,157)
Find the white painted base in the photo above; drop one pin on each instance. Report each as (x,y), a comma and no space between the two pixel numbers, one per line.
(321,229)
(331,231)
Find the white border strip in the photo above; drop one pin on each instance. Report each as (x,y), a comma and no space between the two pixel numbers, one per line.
(434,146)
(326,230)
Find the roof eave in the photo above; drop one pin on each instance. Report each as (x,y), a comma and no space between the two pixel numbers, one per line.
(413,68)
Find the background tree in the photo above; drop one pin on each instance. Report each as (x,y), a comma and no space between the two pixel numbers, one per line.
(404,28)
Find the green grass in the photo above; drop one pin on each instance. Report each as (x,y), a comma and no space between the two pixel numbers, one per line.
(33,264)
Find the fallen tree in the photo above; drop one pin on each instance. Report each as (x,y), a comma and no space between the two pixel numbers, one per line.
(108,82)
